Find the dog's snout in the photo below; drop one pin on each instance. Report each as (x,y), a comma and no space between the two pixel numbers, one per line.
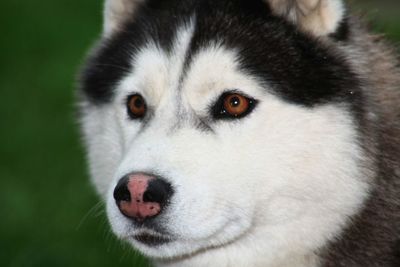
(141,196)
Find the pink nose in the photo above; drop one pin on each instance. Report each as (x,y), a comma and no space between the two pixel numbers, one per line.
(141,196)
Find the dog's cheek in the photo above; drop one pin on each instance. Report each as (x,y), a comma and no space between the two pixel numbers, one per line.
(103,143)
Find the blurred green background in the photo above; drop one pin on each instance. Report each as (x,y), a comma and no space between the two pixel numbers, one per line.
(50,216)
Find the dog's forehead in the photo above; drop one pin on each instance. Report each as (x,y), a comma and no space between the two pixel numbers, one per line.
(179,91)
(258,43)
(158,73)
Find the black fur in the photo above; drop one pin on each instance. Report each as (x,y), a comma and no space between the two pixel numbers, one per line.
(291,64)
(343,32)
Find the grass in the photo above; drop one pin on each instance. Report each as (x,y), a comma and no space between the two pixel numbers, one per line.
(44,190)
(50,213)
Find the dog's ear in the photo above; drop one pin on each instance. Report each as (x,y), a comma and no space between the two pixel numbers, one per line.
(116,12)
(319,17)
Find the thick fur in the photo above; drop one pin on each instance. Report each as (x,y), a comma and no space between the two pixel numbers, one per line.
(311,177)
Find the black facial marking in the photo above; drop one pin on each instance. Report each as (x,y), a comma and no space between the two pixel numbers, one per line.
(291,64)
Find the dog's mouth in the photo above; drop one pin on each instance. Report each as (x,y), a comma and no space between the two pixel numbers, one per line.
(152,240)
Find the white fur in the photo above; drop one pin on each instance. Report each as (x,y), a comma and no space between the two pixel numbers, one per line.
(267,190)
(320,17)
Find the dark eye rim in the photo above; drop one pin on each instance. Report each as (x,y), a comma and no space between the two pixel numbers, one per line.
(129,111)
(219,112)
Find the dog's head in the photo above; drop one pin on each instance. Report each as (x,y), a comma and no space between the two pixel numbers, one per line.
(223,125)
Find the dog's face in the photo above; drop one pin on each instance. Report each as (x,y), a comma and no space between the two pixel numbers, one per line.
(244,118)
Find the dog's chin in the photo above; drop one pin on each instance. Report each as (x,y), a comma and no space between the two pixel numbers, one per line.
(165,247)
(162,248)
(170,249)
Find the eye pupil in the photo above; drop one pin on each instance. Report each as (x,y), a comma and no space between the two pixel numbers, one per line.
(235,101)
(138,102)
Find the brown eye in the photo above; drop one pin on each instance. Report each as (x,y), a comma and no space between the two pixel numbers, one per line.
(236,105)
(136,106)
(233,105)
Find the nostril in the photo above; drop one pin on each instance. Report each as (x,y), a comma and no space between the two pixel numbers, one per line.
(158,191)
(149,196)
(121,191)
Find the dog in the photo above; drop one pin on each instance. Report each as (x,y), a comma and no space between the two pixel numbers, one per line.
(245,133)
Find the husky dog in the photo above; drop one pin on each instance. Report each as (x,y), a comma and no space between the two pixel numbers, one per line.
(245,133)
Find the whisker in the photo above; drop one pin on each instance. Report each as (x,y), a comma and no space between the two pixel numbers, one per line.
(95,211)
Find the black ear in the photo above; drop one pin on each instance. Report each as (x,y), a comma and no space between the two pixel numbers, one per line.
(116,12)
(319,17)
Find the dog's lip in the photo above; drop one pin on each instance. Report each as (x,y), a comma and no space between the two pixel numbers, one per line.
(152,239)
